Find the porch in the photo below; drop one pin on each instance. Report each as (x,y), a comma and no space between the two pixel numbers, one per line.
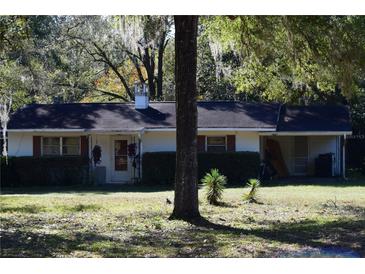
(115,157)
(298,154)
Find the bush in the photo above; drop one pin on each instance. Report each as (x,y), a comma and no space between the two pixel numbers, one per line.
(44,171)
(214,184)
(251,196)
(159,167)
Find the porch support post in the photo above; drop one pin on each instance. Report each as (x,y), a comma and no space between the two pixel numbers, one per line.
(91,166)
(140,151)
(343,157)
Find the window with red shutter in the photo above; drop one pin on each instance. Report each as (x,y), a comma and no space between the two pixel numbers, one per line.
(36,146)
(216,144)
(231,143)
(84,147)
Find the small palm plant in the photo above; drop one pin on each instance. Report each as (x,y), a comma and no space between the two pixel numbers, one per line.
(214,184)
(251,196)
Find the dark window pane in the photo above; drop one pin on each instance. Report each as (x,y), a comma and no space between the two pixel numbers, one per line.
(70,150)
(70,141)
(120,147)
(51,146)
(216,141)
(70,146)
(216,148)
(51,150)
(51,141)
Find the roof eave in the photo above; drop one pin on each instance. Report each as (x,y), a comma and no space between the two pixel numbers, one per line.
(306,133)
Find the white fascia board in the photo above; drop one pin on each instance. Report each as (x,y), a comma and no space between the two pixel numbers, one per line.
(49,130)
(217,129)
(306,133)
(262,131)
(46,130)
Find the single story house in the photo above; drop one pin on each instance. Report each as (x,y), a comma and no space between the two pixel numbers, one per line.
(298,134)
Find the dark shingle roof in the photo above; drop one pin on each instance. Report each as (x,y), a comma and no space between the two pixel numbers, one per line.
(112,116)
(314,118)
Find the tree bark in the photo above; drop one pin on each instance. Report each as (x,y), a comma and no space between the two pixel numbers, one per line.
(149,64)
(161,50)
(137,66)
(186,206)
(107,61)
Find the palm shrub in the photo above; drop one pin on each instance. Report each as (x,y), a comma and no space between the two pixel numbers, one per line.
(251,196)
(214,184)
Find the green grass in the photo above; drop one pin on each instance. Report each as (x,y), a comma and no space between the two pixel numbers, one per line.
(291,221)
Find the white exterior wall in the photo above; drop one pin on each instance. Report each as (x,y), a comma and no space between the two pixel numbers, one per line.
(247,141)
(20,144)
(104,142)
(154,141)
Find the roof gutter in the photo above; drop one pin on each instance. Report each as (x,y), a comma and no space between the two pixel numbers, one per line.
(306,133)
(215,129)
(49,130)
(135,130)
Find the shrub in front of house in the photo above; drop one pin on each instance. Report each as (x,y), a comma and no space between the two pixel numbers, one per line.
(44,171)
(253,185)
(214,183)
(159,167)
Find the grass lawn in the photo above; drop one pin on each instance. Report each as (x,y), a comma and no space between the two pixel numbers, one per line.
(292,221)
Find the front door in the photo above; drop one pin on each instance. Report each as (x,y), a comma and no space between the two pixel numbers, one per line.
(300,155)
(120,170)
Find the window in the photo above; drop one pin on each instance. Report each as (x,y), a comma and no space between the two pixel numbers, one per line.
(120,155)
(51,146)
(216,144)
(70,146)
(54,146)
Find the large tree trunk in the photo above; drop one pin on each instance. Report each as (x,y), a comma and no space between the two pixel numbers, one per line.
(186,205)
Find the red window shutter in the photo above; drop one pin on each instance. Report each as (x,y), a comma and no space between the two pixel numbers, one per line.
(84,146)
(231,143)
(201,143)
(36,146)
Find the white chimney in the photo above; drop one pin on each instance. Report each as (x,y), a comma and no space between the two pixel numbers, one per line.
(141,96)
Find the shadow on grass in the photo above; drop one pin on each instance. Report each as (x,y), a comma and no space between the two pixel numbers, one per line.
(143,188)
(358,211)
(225,205)
(32,209)
(337,235)
(203,238)
(79,208)
(29,244)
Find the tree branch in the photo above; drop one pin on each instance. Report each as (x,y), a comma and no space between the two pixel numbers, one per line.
(115,95)
(114,68)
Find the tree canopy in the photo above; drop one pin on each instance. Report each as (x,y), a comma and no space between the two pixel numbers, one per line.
(296,59)
(288,59)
